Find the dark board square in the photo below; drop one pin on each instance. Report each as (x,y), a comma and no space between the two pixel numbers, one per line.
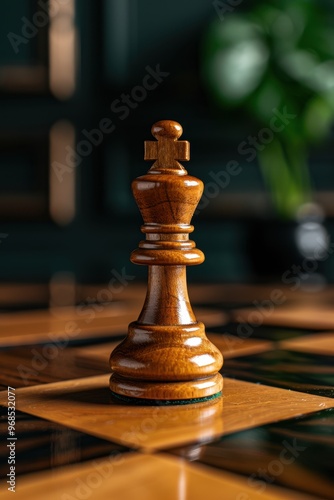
(263,332)
(305,372)
(41,364)
(297,454)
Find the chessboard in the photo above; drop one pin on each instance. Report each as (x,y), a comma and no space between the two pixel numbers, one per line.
(270,436)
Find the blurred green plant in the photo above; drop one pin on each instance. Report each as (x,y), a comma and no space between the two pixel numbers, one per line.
(280,54)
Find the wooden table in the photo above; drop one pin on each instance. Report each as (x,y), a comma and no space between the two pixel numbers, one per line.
(270,436)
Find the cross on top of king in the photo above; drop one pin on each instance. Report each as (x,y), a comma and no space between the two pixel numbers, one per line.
(166,150)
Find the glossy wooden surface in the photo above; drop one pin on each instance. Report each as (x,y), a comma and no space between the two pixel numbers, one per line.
(286,453)
(86,405)
(323,343)
(102,320)
(71,430)
(308,315)
(143,477)
(166,355)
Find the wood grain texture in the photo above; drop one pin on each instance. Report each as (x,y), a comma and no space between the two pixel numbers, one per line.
(320,343)
(311,316)
(166,355)
(89,317)
(243,432)
(97,356)
(86,405)
(159,476)
(63,324)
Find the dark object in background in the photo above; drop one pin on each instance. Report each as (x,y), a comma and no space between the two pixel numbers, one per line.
(293,251)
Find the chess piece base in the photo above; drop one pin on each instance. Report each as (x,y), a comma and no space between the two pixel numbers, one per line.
(167,392)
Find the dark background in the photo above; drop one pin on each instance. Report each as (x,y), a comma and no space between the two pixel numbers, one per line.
(93,223)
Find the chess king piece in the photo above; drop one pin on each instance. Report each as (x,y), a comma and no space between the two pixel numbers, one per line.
(166,357)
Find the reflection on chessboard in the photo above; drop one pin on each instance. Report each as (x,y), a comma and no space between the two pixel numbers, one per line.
(270,436)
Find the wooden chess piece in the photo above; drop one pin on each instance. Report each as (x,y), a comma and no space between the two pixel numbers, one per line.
(166,356)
